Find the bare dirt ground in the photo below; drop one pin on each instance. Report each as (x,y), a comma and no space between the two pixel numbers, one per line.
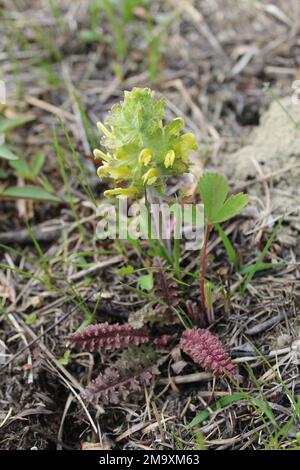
(215,58)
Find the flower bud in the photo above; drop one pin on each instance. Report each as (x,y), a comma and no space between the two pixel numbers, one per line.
(145,157)
(151,176)
(169,159)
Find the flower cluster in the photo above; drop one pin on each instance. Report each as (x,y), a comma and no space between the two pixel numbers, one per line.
(207,350)
(141,150)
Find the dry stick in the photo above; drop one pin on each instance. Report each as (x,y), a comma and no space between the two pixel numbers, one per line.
(19,330)
(41,232)
(60,431)
(78,396)
(158,420)
(50,108)
(66,377)
(259,328)
(272,222)
(271,175)
(80,126)
(200,24)
(187,379)
(53,359)
(37,338)
(96,267)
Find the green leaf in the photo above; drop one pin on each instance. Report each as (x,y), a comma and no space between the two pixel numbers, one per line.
(146,282)
(231,207)
(222,403)
(64,361)
(88,280)
(213,189)
(125,270)
(28,192)
(31,319)
(261,267)
(21,168)
(231,253)
(262,255)
(7,154)
(37,163)
(90,36)
(199,418)
(7,125)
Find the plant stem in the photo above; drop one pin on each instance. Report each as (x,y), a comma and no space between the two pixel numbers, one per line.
(203,268)
(154,222)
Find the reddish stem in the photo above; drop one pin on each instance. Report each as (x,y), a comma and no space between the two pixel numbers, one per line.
(203,267)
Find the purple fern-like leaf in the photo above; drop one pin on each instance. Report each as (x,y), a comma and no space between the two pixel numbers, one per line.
(207,350)
(118,382)
(165,287)
(106,337)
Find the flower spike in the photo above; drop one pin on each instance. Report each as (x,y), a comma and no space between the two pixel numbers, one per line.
(140,120)
(207,350)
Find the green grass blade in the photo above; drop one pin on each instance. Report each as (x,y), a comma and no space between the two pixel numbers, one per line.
(7,154)
(222,403)
(29,192)
(231,253)
(262,255)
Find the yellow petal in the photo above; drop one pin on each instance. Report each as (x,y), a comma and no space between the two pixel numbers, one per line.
(131,191)
(102,170)
(101,155)
(189,141)
(175,126)
(145,157)
(103,129)
(169,159)
(151,180)
(116,173)
(151,176)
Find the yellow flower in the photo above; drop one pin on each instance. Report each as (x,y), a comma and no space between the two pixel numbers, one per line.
(145,157)
(150,176)
(173,127)
(129,192)
(102,156)
(189,141)
(169,159)
(139,147)
(116,173)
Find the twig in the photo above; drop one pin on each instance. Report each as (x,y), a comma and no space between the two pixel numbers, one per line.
(96,267)
(254,330)
(50,108)
(187,379)
(42,233)
(19,330)
(47,330)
